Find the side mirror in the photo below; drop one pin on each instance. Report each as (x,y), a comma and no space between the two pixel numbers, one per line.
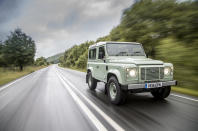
(104,59)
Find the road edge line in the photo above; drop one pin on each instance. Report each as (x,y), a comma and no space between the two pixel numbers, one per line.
(19,79)
(184,97)
(105,116)
(13,82)
(180,96)
(85,109)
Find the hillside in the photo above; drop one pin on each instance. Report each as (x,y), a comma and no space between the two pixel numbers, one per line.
(168,30)
(55,58)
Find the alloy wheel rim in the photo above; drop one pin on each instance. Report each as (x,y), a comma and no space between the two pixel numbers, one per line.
(89,80)
(113,90)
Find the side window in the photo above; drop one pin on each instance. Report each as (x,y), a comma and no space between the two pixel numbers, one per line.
(101,53)
(92,54)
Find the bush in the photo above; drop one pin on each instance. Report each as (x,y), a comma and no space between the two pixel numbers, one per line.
(184,58)
(82,61)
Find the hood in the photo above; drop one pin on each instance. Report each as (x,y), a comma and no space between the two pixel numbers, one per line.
(135,60)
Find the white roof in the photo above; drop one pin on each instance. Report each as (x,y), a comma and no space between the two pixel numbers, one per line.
(105,42)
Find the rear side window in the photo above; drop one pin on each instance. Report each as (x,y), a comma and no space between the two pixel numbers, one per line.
(92,54)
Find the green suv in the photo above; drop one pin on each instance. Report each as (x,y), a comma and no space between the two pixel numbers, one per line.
(124,67)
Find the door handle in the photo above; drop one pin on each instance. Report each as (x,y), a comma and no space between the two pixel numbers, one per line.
(97,67)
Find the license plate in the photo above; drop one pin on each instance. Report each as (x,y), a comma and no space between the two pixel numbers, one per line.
(153,85)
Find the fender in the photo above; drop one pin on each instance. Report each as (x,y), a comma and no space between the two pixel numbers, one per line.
(91,69)
(117,73)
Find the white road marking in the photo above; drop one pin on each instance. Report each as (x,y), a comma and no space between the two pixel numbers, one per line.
(7,85)
(184,97)
(105,116)
(4,87)
(86,110)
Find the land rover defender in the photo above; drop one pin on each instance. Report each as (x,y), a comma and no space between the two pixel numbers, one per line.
(124,67)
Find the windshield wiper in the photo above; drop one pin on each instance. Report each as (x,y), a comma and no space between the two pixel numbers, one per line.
(122,54)
(136,52)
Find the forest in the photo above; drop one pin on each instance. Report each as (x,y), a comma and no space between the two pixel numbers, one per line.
(168,30)
(17,54)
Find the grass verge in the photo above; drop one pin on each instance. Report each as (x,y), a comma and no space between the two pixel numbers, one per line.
(7,75)
(81,70)
(74,68)
(174,88)
(185,91)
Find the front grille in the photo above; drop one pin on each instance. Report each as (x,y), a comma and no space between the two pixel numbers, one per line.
(161,72)
(152,73)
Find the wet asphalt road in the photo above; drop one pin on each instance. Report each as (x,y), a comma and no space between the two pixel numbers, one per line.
(57,99)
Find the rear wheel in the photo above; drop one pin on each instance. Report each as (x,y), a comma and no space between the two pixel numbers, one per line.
(115,93)
(92,83)
(161,93)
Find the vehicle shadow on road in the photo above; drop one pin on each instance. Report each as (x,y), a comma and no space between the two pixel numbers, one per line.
(133,99)
(137,109)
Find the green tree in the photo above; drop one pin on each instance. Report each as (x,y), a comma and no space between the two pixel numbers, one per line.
(168,30)
(19,49)
(184,58)
(105,38)
(61,60)
(41,61)
(82,61)
(75,56)
(2,60)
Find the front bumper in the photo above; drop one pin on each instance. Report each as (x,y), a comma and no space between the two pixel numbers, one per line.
(142,86)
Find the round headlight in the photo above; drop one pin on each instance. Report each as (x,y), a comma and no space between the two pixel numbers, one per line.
(132,72)
(166,71)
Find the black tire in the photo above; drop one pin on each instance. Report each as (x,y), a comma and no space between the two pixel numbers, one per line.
(120,96)
(105,91)
(92,83)
(161,93)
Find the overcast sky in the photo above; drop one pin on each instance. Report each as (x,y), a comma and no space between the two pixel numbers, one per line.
(56,25)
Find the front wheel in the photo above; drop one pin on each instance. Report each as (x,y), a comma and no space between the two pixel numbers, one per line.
(161,93)
(92,83)
(115,93)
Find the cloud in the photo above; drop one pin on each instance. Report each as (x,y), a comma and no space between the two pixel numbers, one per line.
(56,25)
(9,9)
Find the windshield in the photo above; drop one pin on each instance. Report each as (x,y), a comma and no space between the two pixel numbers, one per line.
(124,49)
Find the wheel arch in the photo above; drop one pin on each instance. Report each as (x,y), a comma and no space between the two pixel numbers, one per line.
(115,73)
(90,69)
(110,75)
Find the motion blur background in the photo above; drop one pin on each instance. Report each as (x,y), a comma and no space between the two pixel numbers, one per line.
(168,30)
